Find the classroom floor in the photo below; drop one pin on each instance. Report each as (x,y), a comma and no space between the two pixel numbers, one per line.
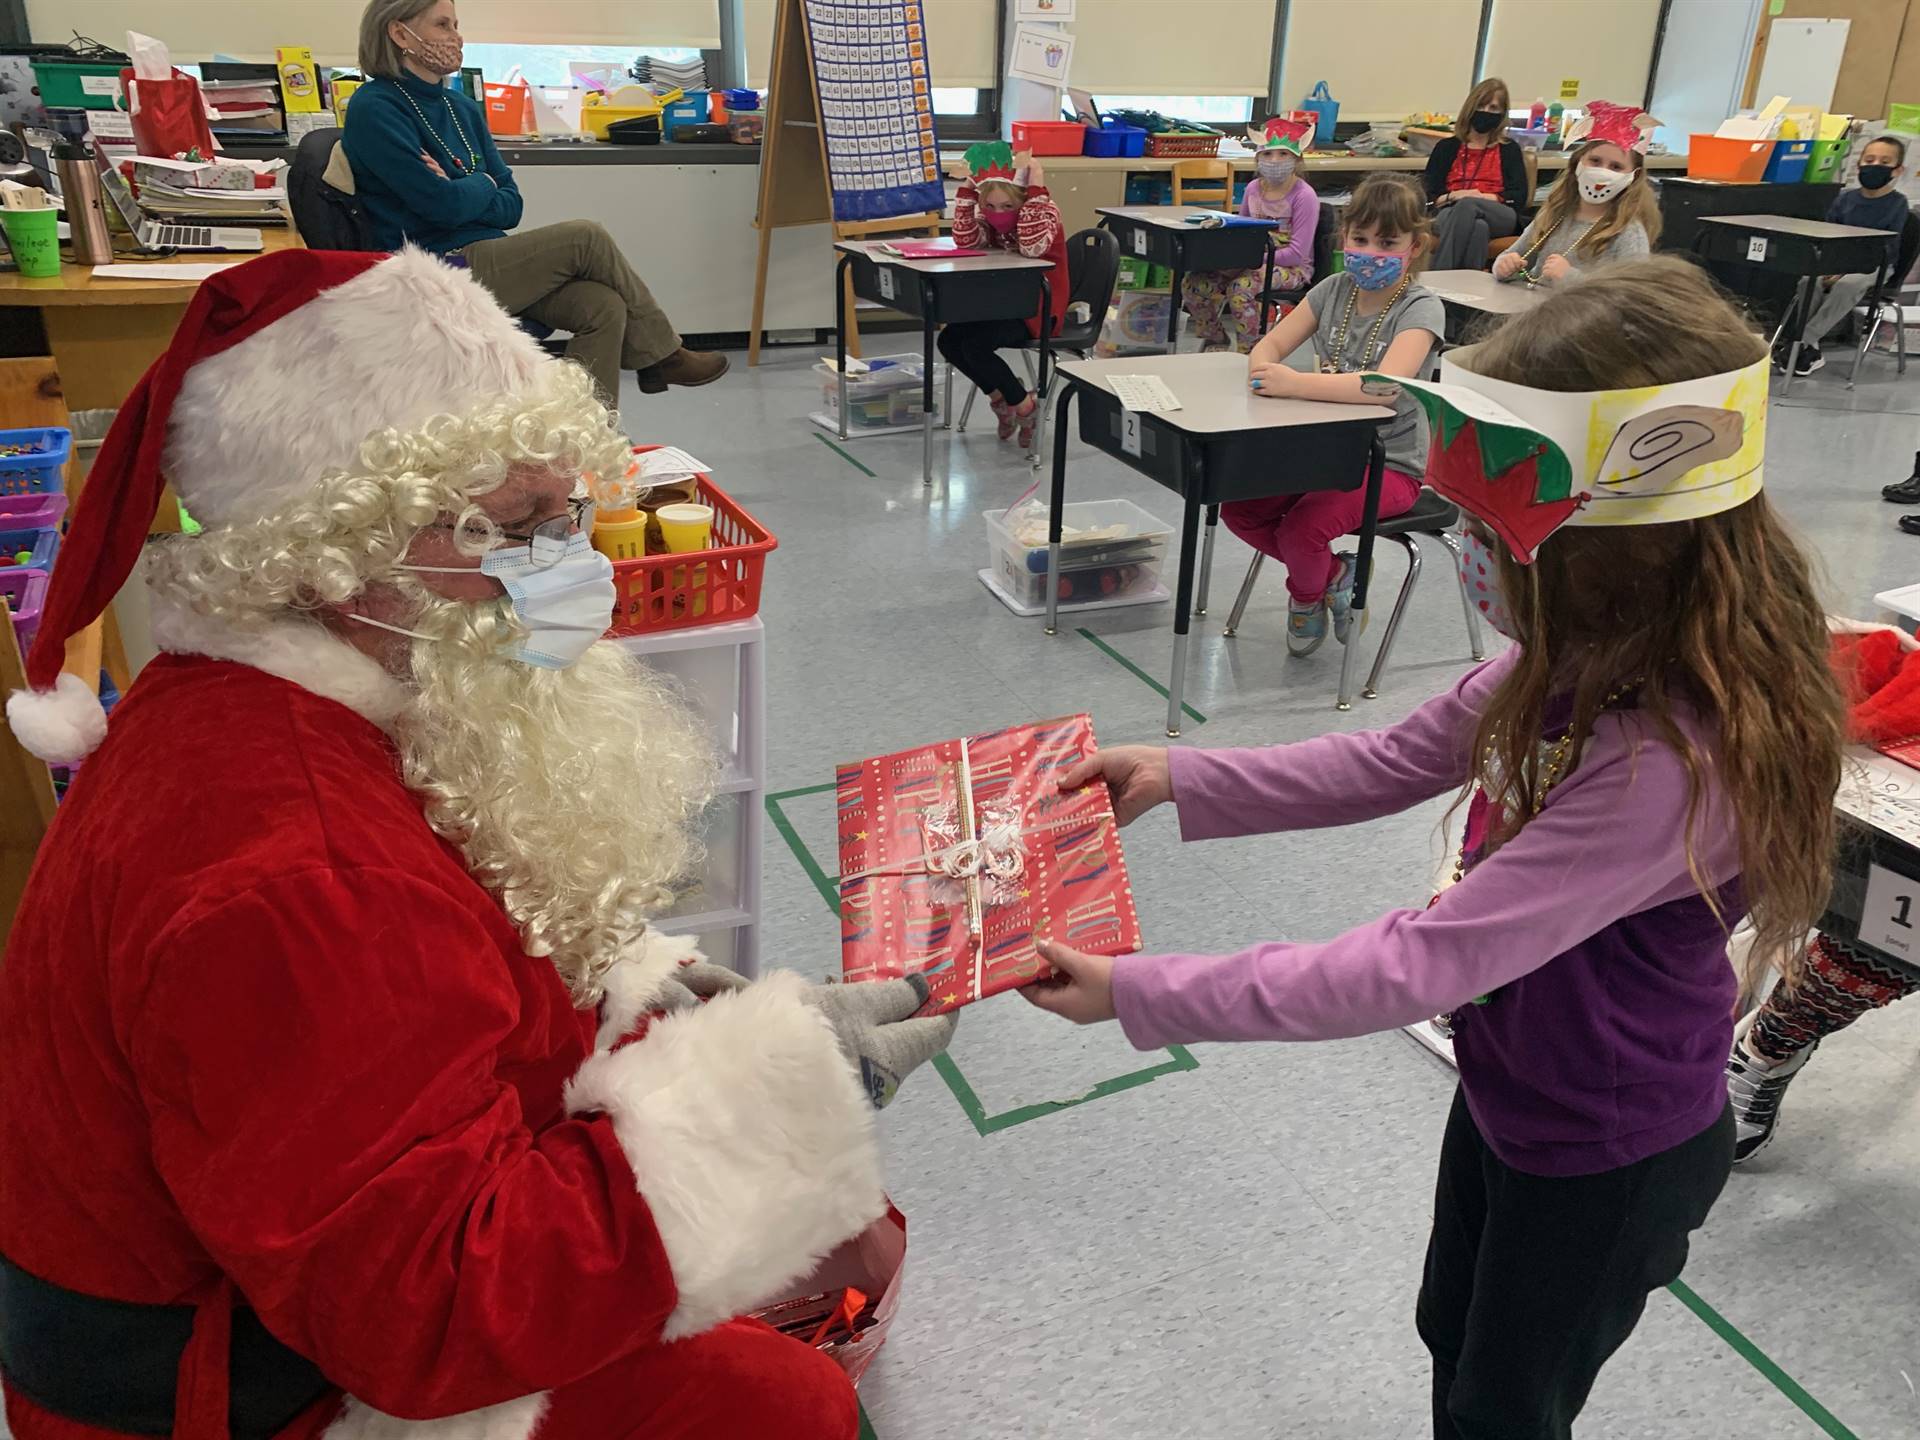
(1225,1243)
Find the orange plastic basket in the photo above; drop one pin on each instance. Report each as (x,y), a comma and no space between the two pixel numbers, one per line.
(1742,162)
(1176,144)
(707,587)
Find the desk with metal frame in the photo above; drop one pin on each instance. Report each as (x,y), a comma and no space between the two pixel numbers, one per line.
(941,292)
(1224,443)
(1167,235)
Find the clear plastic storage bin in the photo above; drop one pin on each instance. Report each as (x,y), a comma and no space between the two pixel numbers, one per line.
(891,392)
(1111,553)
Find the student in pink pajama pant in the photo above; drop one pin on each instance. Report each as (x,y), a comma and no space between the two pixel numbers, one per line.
(1225,304)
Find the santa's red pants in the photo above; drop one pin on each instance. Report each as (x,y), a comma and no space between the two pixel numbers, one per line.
(740,1381)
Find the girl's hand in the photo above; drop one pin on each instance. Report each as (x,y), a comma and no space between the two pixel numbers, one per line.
(1138,776)
(1082,988)
(432,164)
(1507,265)
(1036,172)
(1555,267)
(957,169)
(1446,197)
(1274,381)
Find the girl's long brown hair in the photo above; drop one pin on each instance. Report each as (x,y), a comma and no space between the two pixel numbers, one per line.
(1636,202)
(1478,98)
(1716,616)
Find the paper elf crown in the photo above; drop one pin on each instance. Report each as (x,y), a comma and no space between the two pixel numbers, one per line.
(1292,133)
(1627,126)
(1528,461)
(990,160)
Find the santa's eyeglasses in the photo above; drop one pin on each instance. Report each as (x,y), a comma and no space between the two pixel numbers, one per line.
(546,542)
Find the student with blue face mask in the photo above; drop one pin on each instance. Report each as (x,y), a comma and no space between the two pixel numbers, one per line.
(1370,316)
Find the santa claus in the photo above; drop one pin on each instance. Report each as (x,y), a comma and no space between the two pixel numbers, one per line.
(343,1089)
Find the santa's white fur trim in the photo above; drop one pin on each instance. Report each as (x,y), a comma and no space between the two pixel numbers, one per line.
(302,651)
(1842,625)
(510,1420)
(60,725)
(408,339)
(633,985)
(751,1141)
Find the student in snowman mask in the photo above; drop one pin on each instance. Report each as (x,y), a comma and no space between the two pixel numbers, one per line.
(1601,210)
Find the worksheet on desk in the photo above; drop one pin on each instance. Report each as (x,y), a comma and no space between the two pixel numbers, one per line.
(1143,392)
(1883,792)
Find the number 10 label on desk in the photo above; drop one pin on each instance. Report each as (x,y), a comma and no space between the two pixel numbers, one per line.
(1757,249)
(1890,920)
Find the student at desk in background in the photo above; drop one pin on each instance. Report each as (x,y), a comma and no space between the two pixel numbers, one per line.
(1873,204)
(1370,316)
(427,172)
(1602,208)
(1225,304)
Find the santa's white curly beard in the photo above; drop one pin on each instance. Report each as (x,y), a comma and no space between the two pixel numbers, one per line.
(573,794)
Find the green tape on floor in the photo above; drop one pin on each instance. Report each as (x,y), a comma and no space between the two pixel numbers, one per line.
(1180,1057)
(1113,654)
(845,456)
(1754,1356)
(866,1426)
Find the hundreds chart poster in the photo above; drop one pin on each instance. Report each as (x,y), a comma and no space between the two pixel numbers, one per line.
(876,107)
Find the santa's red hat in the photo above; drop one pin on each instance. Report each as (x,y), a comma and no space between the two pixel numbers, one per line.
(280,370)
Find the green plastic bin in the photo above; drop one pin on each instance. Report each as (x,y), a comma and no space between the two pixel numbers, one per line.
(77,84)
(1829,158)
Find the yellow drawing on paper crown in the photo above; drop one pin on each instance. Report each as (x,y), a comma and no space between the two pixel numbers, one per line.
(1654,463)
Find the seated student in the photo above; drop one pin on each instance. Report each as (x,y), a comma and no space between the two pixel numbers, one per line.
(1225,304)
(1477,180)
(428,173)
(1370,316)
(1003,204)
(1873,205)
(1600,209)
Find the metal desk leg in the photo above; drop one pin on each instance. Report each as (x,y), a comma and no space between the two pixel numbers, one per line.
(1183,608)
(1266,289)
(926,382)
(1803,312)
(1173,309)
(1044,381)
(1056,503)
(946,406)
(1206,560)
(1876,307)
(1362,568)
(840,333)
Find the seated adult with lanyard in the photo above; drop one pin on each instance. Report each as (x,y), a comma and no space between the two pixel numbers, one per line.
(427,172)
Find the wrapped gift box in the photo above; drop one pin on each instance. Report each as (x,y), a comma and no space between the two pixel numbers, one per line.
(956,857)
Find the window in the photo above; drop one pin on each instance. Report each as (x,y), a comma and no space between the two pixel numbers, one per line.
(552,64)
(1215,110)
(962,112)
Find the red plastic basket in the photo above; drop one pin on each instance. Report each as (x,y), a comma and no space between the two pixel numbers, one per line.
(707,587)
(1049,137)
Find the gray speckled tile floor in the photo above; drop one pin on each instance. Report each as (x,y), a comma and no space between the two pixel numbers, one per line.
(1232,1251)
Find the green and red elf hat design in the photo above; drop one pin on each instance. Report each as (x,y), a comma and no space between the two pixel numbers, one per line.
(1291,133)
(991,160)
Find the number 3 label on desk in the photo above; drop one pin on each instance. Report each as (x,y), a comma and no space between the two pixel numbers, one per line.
(1890,920)
(886,282)
(1757,249)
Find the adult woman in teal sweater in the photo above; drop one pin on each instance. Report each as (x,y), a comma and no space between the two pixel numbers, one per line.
(427,172)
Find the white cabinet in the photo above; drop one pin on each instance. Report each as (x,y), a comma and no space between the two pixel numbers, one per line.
(723,670)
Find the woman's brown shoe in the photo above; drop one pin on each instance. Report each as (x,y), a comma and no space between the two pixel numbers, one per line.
(683,367)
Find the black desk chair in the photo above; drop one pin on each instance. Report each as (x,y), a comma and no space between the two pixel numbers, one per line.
(1093,269)
(1325,233)
(1432,516)
(331,218)
(1888,303)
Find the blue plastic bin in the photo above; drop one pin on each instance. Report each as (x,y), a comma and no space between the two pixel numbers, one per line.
(40,455)
(1789,163)
(691,109)
(1114,141)
(40,547)
(742,99)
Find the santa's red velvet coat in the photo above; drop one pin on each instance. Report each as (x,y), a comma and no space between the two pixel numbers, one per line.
(265,1042)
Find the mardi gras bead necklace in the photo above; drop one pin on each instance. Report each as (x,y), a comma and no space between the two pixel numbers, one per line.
(1334,363)
(473,156)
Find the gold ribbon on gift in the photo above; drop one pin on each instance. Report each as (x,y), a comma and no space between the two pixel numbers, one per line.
(992,858)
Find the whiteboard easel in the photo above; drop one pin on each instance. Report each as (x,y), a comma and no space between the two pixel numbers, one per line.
(1803,60)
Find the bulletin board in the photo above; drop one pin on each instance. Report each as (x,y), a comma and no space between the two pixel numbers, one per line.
(876,107)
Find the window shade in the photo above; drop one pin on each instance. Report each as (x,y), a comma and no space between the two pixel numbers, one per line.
(1382,59)
(960,35)
(198,29)
(1535,44)
(1152,47)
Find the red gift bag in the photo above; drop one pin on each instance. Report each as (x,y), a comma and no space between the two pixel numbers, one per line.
(846,1306)
(169,116)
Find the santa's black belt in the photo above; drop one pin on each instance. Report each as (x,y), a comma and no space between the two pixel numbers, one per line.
(114,1365)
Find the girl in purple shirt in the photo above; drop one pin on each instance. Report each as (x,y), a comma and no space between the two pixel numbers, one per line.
(1225,304)
(1653,760)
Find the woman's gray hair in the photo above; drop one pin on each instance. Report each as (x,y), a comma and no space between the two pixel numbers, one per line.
(378,54)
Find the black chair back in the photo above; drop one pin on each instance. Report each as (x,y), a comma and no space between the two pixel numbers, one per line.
(328,219)
(1908,253)
(1093,269)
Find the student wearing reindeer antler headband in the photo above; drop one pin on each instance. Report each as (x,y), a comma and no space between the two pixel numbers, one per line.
(1654,759)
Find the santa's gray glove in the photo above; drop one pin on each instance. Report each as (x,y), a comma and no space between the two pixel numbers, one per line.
(690,984)
(871,1022)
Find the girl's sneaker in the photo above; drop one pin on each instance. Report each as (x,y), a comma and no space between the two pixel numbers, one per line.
(1340,598)
(1028,417)
(1003,412)
(1756,1087)
(1306,626)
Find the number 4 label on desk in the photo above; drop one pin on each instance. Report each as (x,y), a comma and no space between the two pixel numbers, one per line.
(1890,920)
(886,282)
(1139,241)
(1757,249)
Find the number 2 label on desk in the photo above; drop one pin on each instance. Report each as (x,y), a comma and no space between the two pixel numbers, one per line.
(1757,249)
(1139,242)
(886,282)
(1130,431)
(1890,920)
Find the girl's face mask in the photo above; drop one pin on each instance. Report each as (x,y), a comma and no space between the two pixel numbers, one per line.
(1377,269)
(1001,222)
(1480,573)
(1277,168)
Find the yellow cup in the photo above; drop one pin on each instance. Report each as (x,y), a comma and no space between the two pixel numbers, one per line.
(685,528)
(620,534)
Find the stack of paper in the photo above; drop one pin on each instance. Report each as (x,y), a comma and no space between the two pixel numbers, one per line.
(244,109)
(665,75)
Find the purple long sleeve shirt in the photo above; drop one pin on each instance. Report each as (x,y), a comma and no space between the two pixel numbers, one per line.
(1299,207)
(1611,1009)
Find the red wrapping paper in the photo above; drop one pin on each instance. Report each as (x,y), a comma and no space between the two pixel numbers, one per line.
(898,920)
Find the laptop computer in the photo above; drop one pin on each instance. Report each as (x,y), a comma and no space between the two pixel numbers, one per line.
(155,237)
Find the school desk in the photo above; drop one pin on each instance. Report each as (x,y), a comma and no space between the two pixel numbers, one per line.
(1478,293)
(1788,245)
(950,291)
(1224,443)
(1166,235)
